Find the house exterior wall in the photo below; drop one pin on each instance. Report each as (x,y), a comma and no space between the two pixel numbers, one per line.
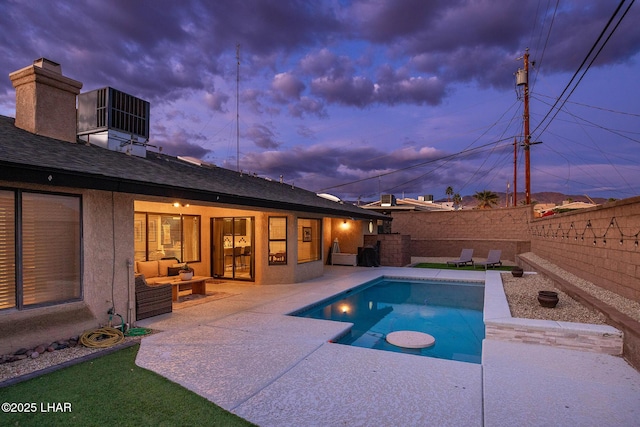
(445,234)
(349,234)
(264,273)
(567,240)
(107,221)
(108,264)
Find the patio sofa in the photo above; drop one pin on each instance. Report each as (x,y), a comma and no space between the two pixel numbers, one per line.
(157,271)
(151,300)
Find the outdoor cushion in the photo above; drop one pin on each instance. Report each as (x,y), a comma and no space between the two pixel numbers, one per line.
(163,266)
(148,268)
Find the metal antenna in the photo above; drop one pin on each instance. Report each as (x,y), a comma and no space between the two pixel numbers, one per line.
(238,108)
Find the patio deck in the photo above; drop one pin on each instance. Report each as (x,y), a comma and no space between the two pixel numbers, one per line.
(246,355)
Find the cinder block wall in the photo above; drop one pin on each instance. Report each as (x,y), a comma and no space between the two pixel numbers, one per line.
(597,244)
(395,249)
(445,234)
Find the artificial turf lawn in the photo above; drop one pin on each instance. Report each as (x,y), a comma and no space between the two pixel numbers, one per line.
(110,390)
(453,267)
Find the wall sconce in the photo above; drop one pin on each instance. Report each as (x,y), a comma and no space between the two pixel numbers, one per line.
(370,226)
(344,309)
(177,205)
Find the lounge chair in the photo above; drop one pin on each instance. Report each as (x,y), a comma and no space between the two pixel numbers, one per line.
(493,259)
(465,258)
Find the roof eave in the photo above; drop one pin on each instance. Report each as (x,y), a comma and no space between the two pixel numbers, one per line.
(73,179)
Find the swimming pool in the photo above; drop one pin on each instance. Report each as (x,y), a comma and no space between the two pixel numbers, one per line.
(449,311)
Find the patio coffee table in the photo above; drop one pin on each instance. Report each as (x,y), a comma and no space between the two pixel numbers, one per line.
(198,285)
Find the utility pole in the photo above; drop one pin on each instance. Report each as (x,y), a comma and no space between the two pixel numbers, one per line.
(515,172)
(527,137)
(522,79)
(506,200)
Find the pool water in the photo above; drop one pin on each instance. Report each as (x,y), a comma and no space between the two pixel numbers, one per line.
(451,312)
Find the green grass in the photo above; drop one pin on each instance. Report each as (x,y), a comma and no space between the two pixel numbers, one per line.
(453,267)
(112,390)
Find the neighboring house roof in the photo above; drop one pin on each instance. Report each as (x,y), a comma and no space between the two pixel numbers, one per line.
(26,157)
(406,204)
(551,208)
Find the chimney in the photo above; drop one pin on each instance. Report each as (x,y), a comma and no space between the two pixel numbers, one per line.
(46,100)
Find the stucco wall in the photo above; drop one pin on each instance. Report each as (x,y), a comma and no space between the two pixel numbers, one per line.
(106,276)
(597,244)
(108,249)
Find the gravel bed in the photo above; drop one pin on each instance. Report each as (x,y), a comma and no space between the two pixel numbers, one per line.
(623,305)
(522,295)
(47,360)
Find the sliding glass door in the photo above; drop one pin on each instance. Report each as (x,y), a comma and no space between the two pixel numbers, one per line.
(232,243)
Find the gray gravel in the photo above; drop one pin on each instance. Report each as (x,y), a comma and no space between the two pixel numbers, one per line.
(522,295)
(623,305)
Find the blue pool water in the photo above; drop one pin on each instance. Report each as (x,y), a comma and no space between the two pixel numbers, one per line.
(449,311)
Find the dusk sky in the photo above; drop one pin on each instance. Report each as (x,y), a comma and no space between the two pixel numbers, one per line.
(361,98)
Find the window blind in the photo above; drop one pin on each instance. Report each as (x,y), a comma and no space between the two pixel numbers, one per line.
(7,250)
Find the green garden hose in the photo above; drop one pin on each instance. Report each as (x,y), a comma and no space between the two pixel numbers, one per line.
(135,332)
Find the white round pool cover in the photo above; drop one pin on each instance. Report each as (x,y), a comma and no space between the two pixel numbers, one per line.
(410,339)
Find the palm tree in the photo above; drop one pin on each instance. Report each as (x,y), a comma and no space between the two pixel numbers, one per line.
(457,200)
(486,199)
(449,192)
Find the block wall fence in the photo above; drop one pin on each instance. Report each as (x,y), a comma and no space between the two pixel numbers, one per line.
(445,234)
(598,244)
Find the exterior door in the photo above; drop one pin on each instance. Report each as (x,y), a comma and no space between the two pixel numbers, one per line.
(232,243)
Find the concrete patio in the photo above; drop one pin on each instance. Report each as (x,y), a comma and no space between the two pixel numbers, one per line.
(245,354)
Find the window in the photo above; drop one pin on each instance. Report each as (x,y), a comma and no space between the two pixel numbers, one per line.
(158,236)
(48,230)
(309,240)
(277,240)
(7,249)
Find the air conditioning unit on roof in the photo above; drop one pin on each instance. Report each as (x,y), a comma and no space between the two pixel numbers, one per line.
(114,120)
(387,200)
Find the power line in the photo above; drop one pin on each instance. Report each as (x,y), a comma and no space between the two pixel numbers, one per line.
(592,106)
(450,156)
(555,110)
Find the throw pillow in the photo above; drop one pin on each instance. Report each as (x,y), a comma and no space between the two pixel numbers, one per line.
(174,271)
